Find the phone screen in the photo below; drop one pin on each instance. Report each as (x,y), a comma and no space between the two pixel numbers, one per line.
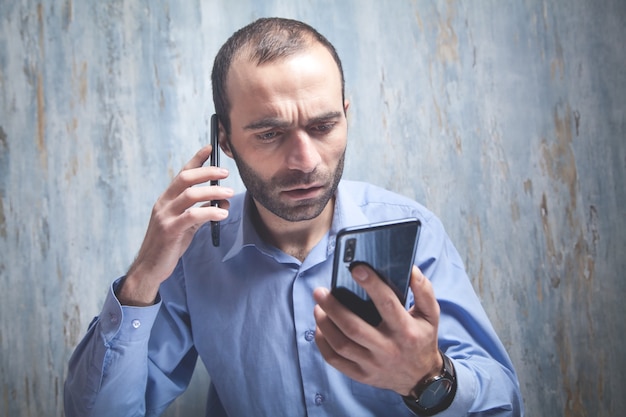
(388,248)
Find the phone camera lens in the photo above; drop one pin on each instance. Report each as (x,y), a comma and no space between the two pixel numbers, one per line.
(348,254)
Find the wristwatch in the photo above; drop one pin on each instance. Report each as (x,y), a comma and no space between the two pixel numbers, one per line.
(435,394)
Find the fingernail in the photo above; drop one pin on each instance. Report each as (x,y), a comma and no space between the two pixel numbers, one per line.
(360,273)
(223,213)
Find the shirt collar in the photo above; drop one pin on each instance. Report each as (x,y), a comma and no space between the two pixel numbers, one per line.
(347,213)
(246,234)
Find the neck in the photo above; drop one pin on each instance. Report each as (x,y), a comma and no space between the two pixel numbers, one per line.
(294,238)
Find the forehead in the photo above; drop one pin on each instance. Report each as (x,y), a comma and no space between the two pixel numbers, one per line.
(302,74)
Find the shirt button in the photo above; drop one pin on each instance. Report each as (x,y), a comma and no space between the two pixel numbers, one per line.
(309,335)
(319,399)
(136,323)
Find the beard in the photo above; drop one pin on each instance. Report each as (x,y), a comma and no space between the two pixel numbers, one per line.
(268,192)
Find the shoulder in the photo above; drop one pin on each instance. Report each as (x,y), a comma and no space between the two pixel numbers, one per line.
(376,202)
(370,204)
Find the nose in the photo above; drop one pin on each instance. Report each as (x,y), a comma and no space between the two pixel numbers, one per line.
(302,152)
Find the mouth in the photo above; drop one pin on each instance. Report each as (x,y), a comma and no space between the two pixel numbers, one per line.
(304,192)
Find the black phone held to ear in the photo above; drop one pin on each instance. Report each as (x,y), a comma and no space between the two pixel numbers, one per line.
(215,162)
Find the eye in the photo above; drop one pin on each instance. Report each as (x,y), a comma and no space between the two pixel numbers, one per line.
(267,136)
(323,128)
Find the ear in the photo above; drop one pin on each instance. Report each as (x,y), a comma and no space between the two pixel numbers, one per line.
(223,140)
(346,105)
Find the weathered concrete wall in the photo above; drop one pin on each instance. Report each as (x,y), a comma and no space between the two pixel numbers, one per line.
(507,118)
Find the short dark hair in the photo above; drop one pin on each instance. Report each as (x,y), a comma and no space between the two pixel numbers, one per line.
(264,40)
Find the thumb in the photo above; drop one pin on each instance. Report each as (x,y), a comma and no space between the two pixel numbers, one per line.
(425,304)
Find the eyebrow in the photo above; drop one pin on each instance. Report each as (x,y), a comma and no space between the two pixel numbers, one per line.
(274,122)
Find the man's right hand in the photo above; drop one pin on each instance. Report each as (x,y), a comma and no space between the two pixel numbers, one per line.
(173,223)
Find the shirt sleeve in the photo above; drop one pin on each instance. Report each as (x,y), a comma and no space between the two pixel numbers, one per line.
(112,371)
(487,382)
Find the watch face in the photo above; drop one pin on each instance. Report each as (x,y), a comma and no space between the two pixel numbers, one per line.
(435,393)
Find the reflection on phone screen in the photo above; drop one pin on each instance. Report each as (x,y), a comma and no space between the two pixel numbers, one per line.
(388,249)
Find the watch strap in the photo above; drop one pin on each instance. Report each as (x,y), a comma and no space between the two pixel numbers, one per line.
(446,380)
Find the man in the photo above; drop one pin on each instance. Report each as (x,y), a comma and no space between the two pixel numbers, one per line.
(257,309)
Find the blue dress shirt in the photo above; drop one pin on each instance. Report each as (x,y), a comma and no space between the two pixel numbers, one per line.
(246,309)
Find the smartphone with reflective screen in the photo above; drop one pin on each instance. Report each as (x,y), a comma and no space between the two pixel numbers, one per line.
(388,248)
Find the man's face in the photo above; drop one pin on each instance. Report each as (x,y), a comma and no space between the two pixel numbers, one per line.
(288,131)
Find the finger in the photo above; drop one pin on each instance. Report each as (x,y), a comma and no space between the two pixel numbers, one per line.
(323,340)
(199,158)
(191,173)
(347,322)
(426,305)
(196,216)
(386,301)
(224,204)
(194,195)
(350,368)
(337,340)
(193,176)
(192,215)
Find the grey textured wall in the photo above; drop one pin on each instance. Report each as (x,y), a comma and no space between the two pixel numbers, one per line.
(506,118)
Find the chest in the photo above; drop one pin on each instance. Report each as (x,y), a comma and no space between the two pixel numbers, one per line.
(249,317)
(253,327)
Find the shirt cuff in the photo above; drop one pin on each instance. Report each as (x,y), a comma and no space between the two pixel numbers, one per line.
(126,323)
(465,392)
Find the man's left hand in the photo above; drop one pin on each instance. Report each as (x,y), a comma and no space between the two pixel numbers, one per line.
(396,354)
